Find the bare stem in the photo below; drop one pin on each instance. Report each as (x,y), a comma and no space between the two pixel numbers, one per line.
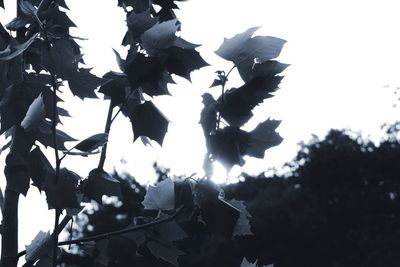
(107,131)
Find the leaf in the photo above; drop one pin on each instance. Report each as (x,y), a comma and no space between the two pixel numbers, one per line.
(2,3)
(12,51)
(160,36)
(168,253)
(16,170)
(243,50)
(138,23)
(164,236)
(148,121)
(63,194)
(19,23)
(269,67)
(147,73)
(44,135)
(39,247)
(27,8)
(242,226)
(208,116)
(245,263)
(120,61)
(216,82)
(237,103)
(13,106)
(161,196)
(263,137)
(93,142)
(100,183)
(228,145)
(115,88)
(40,169)
(82,83)
(183,61)
(35,114)
(63,60)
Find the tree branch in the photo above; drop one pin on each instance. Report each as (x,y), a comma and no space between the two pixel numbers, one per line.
(107,131)
(122,231)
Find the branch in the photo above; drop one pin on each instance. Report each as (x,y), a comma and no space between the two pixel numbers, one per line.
(107,131)
(123,231)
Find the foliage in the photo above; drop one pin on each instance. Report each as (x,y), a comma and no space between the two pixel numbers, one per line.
(339,205)
(179,219)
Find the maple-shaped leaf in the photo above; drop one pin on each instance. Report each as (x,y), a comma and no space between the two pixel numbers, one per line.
(63,194)
(269,67)
(263,137)
(183,61)
(35,114)
(40,246)
(12,51)
(63,60)
(138,23)
(45,136)
(243,50)
(16,168)
(164,236)
(100,183)
(147,73)
(14,104)
(40,169)
(242,226)
(147,120)
(83,83)
(220,216)
(182,43)
(27,8)
(228,145)
(161,196)
(115,88)
(93,142)
(160,36)
(39,84)
(120,61)
(237,103)
(134,98)
(167,253)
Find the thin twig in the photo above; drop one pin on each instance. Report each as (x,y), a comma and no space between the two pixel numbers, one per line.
(123,231)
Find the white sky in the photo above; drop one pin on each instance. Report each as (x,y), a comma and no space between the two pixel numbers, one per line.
(345,62)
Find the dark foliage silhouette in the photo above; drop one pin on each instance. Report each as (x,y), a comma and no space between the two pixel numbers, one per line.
(338,207)
(39,59)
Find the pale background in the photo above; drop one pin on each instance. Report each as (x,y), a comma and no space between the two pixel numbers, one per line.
(345,62)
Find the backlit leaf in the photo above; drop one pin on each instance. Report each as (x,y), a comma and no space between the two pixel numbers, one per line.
(244,50)
(161,196)
(39,247)
(160,36)
(35,114)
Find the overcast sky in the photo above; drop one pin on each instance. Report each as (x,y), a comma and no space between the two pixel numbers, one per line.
(345,63)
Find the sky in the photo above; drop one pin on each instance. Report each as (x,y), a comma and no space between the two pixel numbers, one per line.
(345,63)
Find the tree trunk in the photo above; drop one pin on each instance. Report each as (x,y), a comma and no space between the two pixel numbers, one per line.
(9,241)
